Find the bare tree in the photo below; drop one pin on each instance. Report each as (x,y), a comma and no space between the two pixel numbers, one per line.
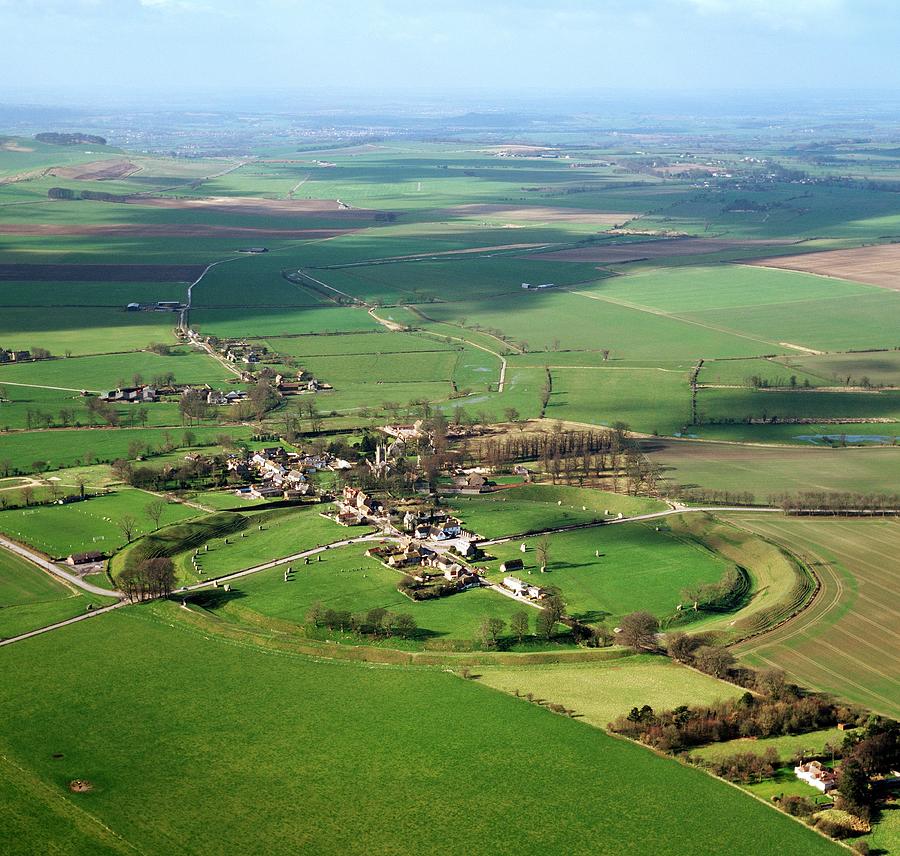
(154,511)
(127,526)
(542,551)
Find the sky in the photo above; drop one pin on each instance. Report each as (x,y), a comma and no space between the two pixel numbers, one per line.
(58,49)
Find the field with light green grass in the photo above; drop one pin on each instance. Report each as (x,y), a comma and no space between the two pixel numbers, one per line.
(94,524)
(259,322)
(648,400)
(639,568)
(101,373)
(531,508)
(113,295)
(235,710)
(345,579)
(31,598)
(600,692)
(583,320)
(84,330)
(787,745)
(776,372)
(73,446)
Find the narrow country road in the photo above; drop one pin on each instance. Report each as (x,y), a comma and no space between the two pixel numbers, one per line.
(66,623)
(55,570)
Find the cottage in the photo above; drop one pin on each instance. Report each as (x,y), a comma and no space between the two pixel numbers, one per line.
(816,774)
(88,558)
(511,565)
(515,585)
(133,307)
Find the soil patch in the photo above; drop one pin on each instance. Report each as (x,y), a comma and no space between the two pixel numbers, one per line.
(257,206)
(533,214)
(99,273)
(103,170)
(879,265)
(635,251)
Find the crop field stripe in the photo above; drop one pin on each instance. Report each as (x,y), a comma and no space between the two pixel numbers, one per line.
(814,625)
(672,317)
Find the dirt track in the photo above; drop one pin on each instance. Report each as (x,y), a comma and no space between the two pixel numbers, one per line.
(878,265)
(639,250)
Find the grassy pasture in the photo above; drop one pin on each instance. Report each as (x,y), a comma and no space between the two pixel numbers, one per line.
(638,568)
(205,690)
(84,330)
(453,278)
(378,341)
(70,447)
(346,580)
(530,508)
(881,367)
(284,532)
(785,745)
(599,692)
(682,290)
(31,598)
(104,372)
(816,434)
(845,643)
(103,294)
(776,372)
(867,320)
(646,399)
(58,530)
(583,320)
(260,322)
(741,404)
(768,470)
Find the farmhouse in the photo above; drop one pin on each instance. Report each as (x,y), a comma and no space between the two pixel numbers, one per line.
(515,585)
(14,356)
(89,558)
(133,307)
(132,394)
(168,305)
(254,250)
(511,565)
(817,775)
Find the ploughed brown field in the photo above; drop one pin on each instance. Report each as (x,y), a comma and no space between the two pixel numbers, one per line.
(96,170)
(636,251)
(196,230)
(99,273)
(878,265)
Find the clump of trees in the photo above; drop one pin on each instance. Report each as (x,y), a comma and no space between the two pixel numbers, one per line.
(749,716)
(836,502)
(747,767)
(376,623)
(148,579)
(871,754)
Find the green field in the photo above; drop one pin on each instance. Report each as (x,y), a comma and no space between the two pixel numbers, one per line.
(58,530)
(639,568)
(770,470)
(245,718)
(600,692)
(31,598)
(786,745)
(346,579)
(531,508)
